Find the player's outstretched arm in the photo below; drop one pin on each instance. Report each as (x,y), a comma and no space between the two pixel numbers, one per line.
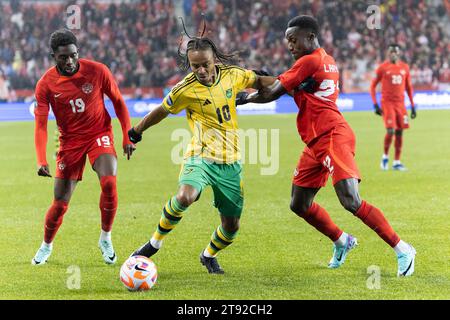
(270,89)
(40,141)
(111,89)
(151,119)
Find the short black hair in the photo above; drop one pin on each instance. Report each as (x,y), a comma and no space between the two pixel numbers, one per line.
(305,22)
(62,37)
(394,45)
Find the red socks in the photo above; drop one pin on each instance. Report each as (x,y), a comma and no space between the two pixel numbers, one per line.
(108,201)
(398,146)
(53,219)
(371,216)
(108,207)
(319,218)
(387,142)
(375,219)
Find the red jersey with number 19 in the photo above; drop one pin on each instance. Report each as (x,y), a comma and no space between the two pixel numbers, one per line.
(77,101)
(318,112)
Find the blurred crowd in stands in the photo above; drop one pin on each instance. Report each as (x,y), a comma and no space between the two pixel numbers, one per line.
(139,39)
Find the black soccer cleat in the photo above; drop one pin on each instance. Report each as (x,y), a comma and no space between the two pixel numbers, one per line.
(211,264)
(147,250)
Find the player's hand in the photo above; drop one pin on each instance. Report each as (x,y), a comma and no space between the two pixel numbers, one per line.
(262,73)
(413,112)
(308,85)
(44,171)
(378,110)
(128,149)
(241,98)
(134,136)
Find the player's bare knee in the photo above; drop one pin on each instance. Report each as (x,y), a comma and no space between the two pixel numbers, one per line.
(231,225)
(390,131)
(300,208)
(398,132)
(350,203)
(185,199)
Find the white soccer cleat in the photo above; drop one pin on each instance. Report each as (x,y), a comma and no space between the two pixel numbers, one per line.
(41,256)
(108,253)
(406,262)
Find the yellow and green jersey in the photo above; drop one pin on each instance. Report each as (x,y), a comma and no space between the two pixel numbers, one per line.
(211,112)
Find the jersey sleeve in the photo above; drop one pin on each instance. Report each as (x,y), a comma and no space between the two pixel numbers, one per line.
(243,78)
(42,106)
(174,102)
(408,86)
(111,89)
(373,85)
(41,111)
(302,69)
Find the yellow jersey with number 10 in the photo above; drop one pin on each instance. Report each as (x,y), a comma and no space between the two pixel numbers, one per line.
(211,112)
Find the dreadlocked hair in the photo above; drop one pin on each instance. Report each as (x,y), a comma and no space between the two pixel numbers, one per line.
(200,43)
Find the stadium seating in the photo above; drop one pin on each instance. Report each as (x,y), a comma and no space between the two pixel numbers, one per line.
(138,40)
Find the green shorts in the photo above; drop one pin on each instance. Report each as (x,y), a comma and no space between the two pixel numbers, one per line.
(225,180)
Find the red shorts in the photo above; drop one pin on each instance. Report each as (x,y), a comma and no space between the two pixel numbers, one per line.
(71,160)
(395,115)
(332,154)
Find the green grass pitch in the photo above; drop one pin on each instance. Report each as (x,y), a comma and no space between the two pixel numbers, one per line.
(276,255)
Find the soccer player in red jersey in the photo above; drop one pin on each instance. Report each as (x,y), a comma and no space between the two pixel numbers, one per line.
(74,89)
(330,145)
(395,78)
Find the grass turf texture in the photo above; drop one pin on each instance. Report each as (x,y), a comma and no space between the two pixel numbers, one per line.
(276,254)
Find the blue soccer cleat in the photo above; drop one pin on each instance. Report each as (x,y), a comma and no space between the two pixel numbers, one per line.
(399,167)
(384,164)
(406,263)
(340,252)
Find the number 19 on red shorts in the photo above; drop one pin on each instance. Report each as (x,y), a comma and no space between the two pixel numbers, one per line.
(70,162)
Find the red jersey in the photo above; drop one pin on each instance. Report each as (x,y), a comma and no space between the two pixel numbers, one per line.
(318,112)
(78,104)
(395,78)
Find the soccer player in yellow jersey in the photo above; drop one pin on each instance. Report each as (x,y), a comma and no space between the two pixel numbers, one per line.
(212,158)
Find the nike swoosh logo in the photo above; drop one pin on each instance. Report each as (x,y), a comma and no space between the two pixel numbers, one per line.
(57,95)
(139,268)
(112,258)
(340,256)
(409,267)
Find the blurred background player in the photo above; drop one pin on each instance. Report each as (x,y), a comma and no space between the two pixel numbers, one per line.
(395,78)
(330,146)
(74,88)
(208,95)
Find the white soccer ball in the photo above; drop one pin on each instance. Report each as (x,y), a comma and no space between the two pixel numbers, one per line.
(138,273)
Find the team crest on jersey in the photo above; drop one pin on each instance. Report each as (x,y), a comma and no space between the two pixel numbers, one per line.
(87,87)
(402,72)
(61,166)
(229,93)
